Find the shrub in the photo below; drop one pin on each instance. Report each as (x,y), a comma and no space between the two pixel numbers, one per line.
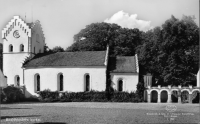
(92,96)
(13,94)
(123,97)
(48,96)
(140,89)
(3,96)
(31,99)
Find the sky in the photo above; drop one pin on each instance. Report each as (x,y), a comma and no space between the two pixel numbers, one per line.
(62,19)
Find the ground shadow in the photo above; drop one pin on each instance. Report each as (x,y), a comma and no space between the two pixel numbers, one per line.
(7,108)
(4,117)
(51,123)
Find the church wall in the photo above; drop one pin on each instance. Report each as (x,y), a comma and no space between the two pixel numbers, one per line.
(130,81)
(12,61)
(12,67)
(37,39)
(10,39)
(3,81)
(73,78)
(198,75)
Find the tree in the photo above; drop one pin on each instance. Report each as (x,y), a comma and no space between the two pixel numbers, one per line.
(171,53)
(1,56)
(57,49)
(96,36)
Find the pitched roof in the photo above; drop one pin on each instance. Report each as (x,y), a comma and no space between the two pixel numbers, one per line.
(122,64)
(86,58)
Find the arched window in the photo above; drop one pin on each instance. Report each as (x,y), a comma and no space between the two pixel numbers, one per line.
(17,80)
(21,48)
(10,48)
(60,82)
(37,82)
(87,82)
(120,85)
(34,50)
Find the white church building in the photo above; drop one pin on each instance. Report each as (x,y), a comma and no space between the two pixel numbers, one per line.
(61,71)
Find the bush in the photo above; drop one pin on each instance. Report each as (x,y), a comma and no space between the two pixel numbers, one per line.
(31,99)
(13,94)
(92,96)
(3,96)
(48,96)
(140,89)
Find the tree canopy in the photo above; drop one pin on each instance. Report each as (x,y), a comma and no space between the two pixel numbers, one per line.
(170,52)
(96,36)
(1,56)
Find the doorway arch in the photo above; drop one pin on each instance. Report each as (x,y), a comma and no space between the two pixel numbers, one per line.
(164,96)
(154,96)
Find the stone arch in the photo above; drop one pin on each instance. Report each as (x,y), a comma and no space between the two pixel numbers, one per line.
(164,95)
(182,90)
(87,82)
(37,82)
(194,90)
(60,82)
(174,95)
(185,95)
(167,90)
(155,90)
(154,95)
(196,96)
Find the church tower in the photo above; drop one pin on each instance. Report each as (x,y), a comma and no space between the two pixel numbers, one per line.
(20,40)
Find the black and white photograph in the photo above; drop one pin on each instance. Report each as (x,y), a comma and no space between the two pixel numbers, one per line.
(99,62)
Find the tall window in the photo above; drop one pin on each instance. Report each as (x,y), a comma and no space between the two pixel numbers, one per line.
(60,82)
(37,82)
(10,48)
(120,85)
(17,80)
(21,47)
(87,82)
(34,50)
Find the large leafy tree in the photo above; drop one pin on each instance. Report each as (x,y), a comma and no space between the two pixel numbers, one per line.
(1,56)
(96,36)
(170,53)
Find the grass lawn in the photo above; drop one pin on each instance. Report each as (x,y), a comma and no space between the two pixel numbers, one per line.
(98,113)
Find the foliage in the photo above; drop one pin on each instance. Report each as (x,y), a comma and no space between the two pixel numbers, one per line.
(3,96)
(140,89)
(96,36)
(13,94)
(48,95)
(57,49)
(1,56)
(170,53)
(92,96)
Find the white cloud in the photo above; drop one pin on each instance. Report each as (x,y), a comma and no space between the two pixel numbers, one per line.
(129,21)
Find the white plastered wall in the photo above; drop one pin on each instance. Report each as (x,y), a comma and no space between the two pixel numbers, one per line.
(198,75)
(130,81)
(37,43)
(73,78)
(3,80)
(12,61)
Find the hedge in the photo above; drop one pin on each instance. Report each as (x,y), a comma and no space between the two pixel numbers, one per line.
(92,96)
(11,94)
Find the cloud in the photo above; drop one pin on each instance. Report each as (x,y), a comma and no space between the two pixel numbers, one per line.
(129,21)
